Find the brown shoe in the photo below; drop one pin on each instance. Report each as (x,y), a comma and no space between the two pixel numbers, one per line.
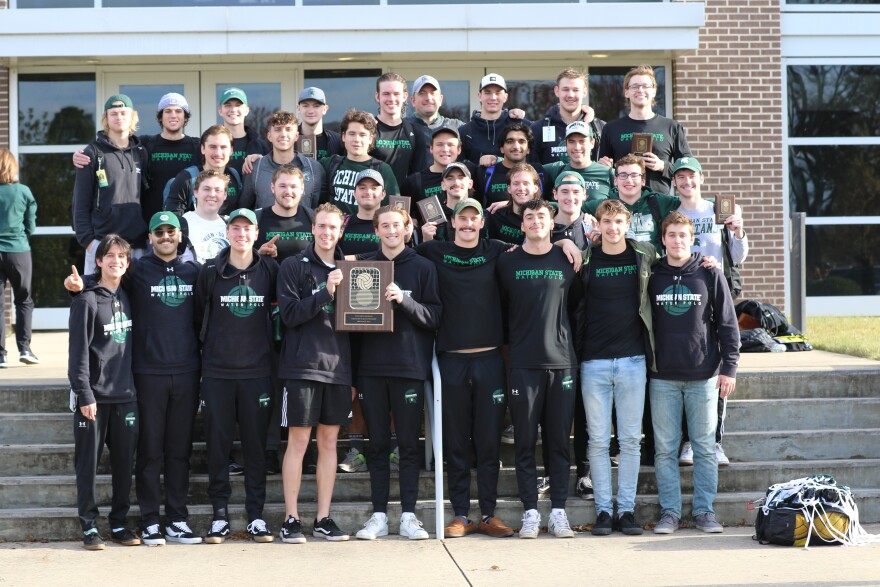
(495,528)
(457,528)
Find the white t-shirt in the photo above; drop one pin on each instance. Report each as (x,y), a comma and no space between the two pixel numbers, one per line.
(707,235)
(207,237)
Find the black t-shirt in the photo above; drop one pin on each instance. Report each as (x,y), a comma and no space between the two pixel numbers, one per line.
(249,144)
(294,232)
(490,183)
(471,316)
(613,327)
(400,147)
(358,237)
(535,290)
(423,184)
(506,225)
(167,159)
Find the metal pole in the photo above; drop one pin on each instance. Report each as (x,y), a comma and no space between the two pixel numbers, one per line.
(437,437)
(798,265)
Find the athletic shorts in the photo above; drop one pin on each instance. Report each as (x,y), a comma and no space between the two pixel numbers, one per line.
(309,403)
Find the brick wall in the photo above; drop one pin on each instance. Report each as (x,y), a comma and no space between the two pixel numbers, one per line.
(728,96)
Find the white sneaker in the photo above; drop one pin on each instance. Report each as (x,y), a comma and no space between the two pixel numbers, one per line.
(531,524)
(375,527)
(723,461)
(558,525)
(687,454)
(412,528)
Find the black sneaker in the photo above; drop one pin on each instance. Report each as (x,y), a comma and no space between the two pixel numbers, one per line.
(235,468)
(627,524)
(219,532)
(28,358)
(152,535)
(92,540)
(180,532)
(328,530)
(272,467)
(292,531)
(4,365)
(125,537)
(584,488)
(602,527)
(258,531)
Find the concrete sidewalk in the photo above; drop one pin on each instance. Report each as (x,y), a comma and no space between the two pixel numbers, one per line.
(688,557)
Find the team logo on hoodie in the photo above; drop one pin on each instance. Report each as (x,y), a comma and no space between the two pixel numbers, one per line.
(242,301)
(118,327)
(678,299)
(171,291)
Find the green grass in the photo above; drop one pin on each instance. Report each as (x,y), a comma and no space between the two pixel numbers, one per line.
(858,336)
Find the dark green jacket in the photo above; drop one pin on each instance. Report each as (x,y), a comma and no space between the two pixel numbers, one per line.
(18,217)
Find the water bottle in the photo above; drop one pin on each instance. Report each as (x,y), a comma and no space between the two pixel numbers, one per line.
(777,348)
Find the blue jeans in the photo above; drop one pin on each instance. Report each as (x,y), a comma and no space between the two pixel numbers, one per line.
(700,402)
(620,382)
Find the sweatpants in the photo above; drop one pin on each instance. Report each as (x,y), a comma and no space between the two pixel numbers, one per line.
(17,268)
(115,425)
(405,398)
(167,406)
(474,403)
(545,397)
(249,401)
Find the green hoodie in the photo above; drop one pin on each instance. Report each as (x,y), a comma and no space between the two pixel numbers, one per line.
(643,226)
(18,217)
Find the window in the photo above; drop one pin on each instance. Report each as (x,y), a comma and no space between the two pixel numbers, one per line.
(606,91)
(344,89)
(56,109)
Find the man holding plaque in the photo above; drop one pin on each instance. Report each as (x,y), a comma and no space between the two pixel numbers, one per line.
(316,368)
(311,107)
(457,185)
(392,370)
(668,141)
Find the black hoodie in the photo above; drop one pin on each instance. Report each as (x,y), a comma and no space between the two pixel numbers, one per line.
(115,207)
(251,143)
(480,136)
(313,350)
(695,329)
(407,351)
(100,347)
(238,339)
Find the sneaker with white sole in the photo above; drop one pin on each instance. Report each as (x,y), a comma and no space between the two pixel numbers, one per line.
(411,527)
(354,462)
(584,488)
(507,435)
(707,523)
(375,527)
(667,524)
(327,529)
(292,531)
(543,485)
(531,524)
(686,457)
(152,536)
(28,358)
(258,531)
(218,533)
(722,459)
(558,525)
(180,532)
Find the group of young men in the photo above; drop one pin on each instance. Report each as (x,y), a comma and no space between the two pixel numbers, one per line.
(228,303)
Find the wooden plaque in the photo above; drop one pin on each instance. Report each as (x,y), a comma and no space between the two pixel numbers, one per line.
(725,206)
(360,298)
(402,202)
(307,145)
(432,210)
(642,142)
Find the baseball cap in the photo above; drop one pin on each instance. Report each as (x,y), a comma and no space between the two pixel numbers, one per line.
(493,79)
(173,99)
(242,213)
(578,127)
(425,79)
(233,94)
(442,129)
(161,218)
(467,203)
(372,174)
(570,178)
(687,163)
(117,101)
(312,93)
(457,165)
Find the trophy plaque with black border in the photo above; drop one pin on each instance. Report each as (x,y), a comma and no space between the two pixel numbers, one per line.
(432,210)
(307,145)
(400,202)
(360,298)
(725,207)
(642,143)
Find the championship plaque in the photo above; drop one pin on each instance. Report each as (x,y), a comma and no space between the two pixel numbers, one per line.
(642,142)
(432,210)
(725,206)
(400,202)
(360,298)
(307,145)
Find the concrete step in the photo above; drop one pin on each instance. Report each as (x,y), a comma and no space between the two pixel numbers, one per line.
(799,445)
(60,490)
(35,398)
(62,523)
(840,383)
(799,414)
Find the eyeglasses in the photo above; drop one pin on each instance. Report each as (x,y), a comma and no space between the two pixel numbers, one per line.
(626,176)
(160,233)
(640,87)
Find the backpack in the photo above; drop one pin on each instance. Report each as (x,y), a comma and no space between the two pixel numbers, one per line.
(194,171)
(768,316)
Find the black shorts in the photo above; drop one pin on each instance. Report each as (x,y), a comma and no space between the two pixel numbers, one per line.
(309,403)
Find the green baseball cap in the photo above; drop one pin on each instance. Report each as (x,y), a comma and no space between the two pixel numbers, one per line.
(687,163)
(117,101)
(242,213)
(233,94)
(163,218)
(569,178)
(467,203)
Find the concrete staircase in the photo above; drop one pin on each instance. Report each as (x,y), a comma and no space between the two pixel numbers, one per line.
(780,426)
